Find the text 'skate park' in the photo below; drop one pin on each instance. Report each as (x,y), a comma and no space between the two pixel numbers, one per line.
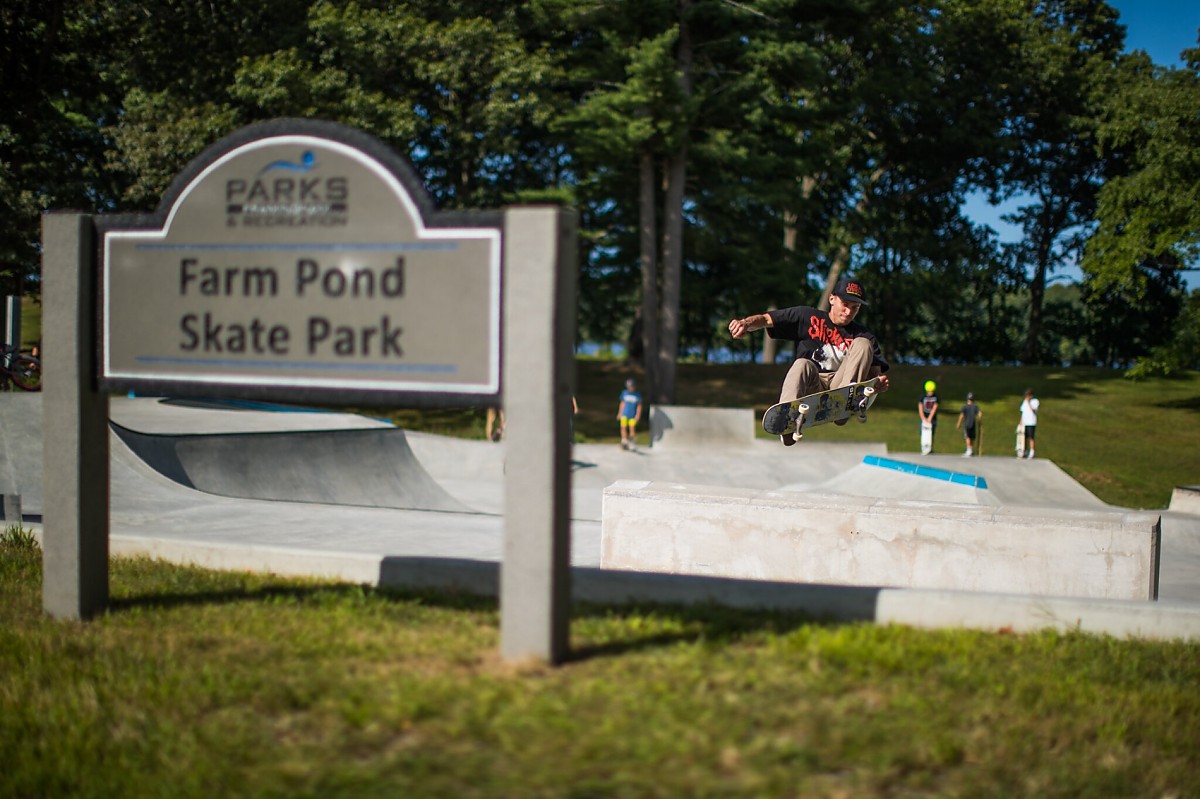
(209,334)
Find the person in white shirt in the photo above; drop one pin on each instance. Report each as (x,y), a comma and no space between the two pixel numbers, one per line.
(1029,412)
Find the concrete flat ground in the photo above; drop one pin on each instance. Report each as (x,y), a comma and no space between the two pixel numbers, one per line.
(315,487)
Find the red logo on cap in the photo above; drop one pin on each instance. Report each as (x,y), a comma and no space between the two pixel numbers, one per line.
(854,288)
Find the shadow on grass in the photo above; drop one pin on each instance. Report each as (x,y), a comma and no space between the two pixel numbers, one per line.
(708,623)
(231,596)
(1185,404)
(310,593)
(627,627)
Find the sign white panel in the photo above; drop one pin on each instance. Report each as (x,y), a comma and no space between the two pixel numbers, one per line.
(302,262)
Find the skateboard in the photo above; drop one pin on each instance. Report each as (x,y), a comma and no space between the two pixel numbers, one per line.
(926,438)
(1020,440)
(834,405)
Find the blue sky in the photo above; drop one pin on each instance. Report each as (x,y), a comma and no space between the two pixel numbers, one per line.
(1162,28)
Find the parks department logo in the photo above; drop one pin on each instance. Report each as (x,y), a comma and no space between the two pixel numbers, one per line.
(288,192)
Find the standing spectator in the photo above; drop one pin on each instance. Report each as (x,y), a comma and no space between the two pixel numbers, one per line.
(629,410)
(970,420)
(928,408)
(1029,413)
(495,424)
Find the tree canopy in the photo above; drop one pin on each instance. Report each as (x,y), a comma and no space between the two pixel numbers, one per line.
(726,157)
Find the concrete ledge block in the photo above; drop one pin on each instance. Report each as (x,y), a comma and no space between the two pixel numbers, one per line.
(12,509)
(1186,499)
(687,427)
(860,541)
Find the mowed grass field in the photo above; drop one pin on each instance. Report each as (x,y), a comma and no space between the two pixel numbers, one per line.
(203,684)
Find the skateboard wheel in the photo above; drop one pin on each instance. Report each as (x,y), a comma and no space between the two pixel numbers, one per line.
(804,408)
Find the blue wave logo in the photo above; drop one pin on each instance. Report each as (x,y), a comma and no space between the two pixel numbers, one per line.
(306,164)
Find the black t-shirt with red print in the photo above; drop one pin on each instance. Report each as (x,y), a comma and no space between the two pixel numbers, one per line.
(817,338)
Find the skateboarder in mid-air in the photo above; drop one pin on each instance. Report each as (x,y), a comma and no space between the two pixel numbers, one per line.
(831,350)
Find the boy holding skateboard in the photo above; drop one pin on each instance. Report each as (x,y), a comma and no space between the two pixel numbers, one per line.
(1029,412)
(830,349)
(927,407)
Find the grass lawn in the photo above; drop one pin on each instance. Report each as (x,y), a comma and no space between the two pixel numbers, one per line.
(203,684)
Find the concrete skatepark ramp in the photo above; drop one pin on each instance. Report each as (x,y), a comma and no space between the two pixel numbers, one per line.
(999,482)
(240,450)
(152,514)
(372,468)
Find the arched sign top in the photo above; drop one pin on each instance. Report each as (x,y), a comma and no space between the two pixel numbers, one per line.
(297,259)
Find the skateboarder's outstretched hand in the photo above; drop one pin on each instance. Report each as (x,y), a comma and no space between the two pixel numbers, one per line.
(740,327)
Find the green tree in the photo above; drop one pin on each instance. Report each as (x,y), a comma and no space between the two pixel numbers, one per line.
(1066,55)
(640,107)
(54,102)
(1181,352)
(172,64)
(1149,215)
(1130,319)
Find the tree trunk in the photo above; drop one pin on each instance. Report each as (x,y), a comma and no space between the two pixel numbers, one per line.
(648,242)
(1050,224)
(770,347)
(676,178)
(672,289)
(840,261)
(791,239)
(1037,296)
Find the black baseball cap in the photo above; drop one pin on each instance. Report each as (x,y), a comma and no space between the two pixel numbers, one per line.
(850,291)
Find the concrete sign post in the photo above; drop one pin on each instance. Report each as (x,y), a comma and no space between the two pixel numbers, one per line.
(301,260)
(75,437)
(539,336)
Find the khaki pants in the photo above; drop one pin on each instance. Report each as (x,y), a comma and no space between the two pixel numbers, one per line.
(805,377)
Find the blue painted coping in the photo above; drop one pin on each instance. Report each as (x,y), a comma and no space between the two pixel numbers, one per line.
(927,471)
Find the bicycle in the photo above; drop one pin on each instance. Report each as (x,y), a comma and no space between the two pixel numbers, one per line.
(25,371)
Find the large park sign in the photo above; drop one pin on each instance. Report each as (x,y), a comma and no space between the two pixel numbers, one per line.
(304,258)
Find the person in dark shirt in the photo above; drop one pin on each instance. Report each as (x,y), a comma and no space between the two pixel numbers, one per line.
(830,349)
(969,421)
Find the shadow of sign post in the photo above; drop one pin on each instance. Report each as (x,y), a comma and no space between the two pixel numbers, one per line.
(303,261)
